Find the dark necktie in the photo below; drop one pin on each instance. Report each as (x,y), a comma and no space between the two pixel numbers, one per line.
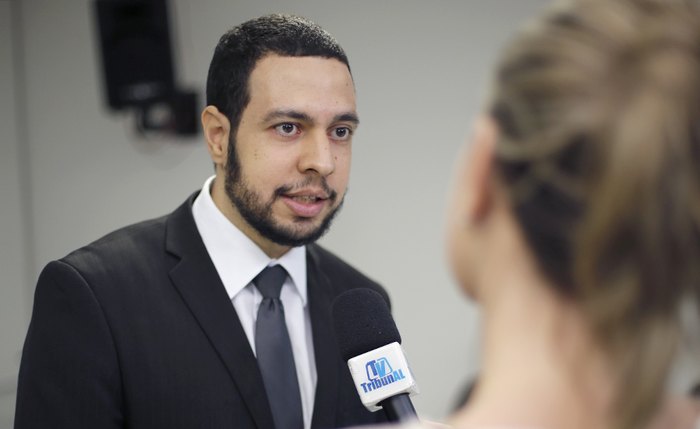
(274,351)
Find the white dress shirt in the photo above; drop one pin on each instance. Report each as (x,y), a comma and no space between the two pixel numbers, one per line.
(238,260)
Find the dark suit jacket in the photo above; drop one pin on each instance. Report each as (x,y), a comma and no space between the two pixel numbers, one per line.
(136,331)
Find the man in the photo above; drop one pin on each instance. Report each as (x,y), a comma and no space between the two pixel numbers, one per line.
(157,325)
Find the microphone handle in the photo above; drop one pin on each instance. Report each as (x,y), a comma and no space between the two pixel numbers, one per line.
(399,408)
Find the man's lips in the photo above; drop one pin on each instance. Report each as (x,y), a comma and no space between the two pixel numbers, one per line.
(306,203)
(308,194)
(305,206)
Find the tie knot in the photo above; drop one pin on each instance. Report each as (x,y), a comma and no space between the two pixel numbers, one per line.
(269,281)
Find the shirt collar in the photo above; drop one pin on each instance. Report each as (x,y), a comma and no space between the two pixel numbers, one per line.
(236,257)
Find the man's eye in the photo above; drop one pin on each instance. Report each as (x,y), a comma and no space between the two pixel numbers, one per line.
(341,133)
(287,129)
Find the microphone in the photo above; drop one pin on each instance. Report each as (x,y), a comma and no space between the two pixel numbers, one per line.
(369,340)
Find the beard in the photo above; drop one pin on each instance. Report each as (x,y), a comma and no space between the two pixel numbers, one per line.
(258,213)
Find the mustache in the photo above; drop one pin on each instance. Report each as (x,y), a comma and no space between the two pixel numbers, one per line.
(309,181)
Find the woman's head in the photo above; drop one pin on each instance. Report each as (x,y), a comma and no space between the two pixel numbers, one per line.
(597,112)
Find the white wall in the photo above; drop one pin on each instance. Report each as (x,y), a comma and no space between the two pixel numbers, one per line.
(15,292)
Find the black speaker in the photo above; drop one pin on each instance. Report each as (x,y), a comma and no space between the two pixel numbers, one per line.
(137,60)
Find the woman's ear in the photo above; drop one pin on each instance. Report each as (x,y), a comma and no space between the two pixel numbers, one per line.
(481,169)
(472,205)
(216,128)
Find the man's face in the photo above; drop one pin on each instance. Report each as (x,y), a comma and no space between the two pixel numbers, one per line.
(289,162)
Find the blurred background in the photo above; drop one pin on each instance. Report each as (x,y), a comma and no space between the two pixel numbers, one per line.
(73,169)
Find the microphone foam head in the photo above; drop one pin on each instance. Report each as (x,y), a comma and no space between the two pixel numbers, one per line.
(362,322)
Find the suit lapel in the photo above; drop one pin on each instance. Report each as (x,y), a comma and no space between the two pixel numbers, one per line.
(196,279)
(326,356)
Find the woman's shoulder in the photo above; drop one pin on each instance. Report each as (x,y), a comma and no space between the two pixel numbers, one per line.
(435,425)
(410,425)
(678,412)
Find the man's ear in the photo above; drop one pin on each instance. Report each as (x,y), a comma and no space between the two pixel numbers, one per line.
(481,168)
(216,128)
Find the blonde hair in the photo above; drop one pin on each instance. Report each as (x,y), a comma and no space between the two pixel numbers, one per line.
(598,104)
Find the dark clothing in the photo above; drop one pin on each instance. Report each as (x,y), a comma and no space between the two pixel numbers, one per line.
(137,331)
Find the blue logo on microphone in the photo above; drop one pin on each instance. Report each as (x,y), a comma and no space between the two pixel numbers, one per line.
(378,368)
(380,374)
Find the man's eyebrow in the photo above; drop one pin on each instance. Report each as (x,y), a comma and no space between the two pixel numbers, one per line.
(301,116)
(287,114)
(347,117)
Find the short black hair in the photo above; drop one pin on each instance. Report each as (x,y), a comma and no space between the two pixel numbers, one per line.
(240,48)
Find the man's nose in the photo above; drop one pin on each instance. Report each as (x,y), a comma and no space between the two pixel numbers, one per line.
(316,154)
